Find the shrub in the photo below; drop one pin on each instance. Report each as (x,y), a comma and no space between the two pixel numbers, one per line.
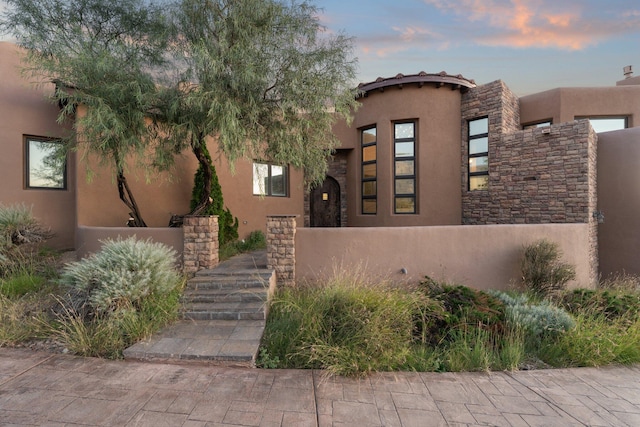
(543,273)
(610,304)
(347,327)
(120,275)
(19,227)
(539,320)
(464,305)
(595,341)
(21,284)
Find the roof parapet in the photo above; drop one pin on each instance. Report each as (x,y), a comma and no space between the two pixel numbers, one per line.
(440,79)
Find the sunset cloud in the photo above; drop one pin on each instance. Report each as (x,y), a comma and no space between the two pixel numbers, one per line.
(539,23)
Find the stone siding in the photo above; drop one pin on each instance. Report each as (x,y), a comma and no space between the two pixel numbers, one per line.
(281,250)
(200,243)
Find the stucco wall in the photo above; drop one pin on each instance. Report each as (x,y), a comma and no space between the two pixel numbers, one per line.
(166,194)
(437,114)
(619,200)
(484,257)
(565,104)
(25,110)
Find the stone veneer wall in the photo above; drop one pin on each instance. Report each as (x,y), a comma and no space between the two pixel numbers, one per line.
(536,176)
(337,169)
(281,250)
(200,243)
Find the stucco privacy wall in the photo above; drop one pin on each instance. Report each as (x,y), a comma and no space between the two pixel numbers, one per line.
(484,257)
(24,110)
(619,200)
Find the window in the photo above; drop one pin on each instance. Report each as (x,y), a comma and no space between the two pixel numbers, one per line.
(368,141)
(45,163)
(606,124)
(542,124)
(270,180)
(404,153)
(479,154)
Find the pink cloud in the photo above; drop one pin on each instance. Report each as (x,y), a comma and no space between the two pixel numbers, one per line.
(538,23)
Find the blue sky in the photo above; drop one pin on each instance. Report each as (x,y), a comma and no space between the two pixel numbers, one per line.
(532,45)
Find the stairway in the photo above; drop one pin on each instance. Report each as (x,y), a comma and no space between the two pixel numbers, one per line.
(223,316)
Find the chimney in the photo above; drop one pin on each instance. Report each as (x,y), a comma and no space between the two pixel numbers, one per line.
(628,71)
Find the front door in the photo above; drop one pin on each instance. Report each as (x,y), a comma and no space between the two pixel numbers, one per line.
(325,204)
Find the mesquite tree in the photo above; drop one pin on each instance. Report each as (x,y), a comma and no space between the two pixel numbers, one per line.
(262,79)
(102,55)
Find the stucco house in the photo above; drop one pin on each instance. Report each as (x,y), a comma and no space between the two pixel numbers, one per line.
(424,150)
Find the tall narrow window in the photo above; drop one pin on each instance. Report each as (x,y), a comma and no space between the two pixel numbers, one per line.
(369,171)
(45,163)
(404,143)
(479,154)
(270,180)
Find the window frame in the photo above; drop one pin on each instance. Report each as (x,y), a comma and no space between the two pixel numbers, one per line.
(368,198)
(481,154)
(537,124)
(412,177)
(268,190)
(29,185)
(622,117)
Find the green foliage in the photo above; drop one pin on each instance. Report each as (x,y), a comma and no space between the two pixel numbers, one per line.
(595,341)
(610,304)
(121,275)
(23,318)
(256,240)
(227,223)
(543,272)
(258,65)
(347,327)
(21,284)
(538,319)
(108,334)
(464,305)
(19,227)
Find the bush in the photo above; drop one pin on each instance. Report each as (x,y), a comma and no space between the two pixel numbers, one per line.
(464,306)
(347,327)
(120,275)
(539,320)
(19,227)
(610,304)
(543,273)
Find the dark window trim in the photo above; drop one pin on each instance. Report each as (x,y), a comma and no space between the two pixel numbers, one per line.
(476,155)
(27,171)
(363,164)
(268,192)
(396,176)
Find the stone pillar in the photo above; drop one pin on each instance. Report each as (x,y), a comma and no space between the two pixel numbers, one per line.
(281,251)
(200,243)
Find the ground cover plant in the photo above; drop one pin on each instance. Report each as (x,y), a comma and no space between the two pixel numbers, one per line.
(352,327)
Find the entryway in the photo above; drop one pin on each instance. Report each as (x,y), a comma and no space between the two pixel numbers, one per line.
(325,204)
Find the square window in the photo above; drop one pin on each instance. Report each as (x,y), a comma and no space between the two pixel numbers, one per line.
(405,186)
(45,164)
(404,168)
(479,145)
(478,127)
(404,149)
(480,182)
(405,205)
(479,164)
(403,130)
(369,206)
(270,180)
(369,188)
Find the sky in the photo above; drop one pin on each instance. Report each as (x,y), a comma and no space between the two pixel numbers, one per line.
(532,45)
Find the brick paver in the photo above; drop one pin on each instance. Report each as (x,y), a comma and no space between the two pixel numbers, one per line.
(45,389)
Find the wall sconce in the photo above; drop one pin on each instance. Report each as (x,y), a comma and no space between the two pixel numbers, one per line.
(598,216)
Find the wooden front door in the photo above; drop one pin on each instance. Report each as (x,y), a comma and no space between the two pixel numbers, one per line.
(325,204)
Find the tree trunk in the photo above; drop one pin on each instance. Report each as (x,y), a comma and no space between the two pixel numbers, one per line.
(205,198)
(127,198)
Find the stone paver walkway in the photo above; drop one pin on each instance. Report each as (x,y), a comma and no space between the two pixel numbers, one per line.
(57,390)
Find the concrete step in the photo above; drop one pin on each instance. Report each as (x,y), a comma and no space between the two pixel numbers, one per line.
(225,311)
(226,282)
(191,296)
